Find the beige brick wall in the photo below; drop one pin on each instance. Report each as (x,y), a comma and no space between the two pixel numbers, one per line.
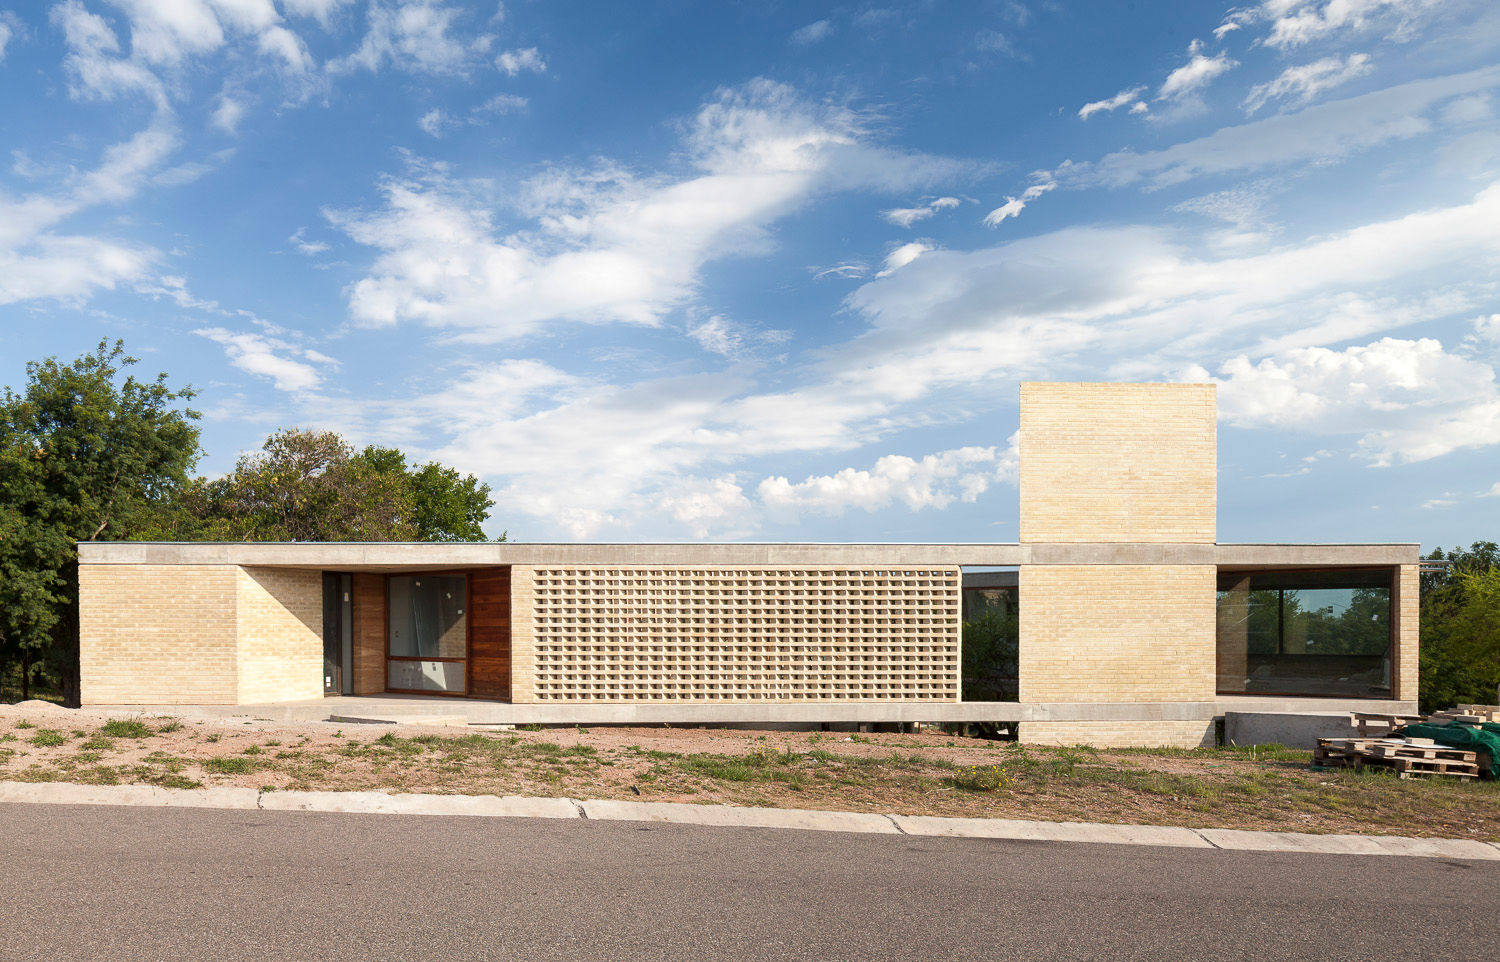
(280,635)
(1117,633)
(158,634)
(1119,734)
(522,635)
(734,634)
(1407,605)
(1118,463)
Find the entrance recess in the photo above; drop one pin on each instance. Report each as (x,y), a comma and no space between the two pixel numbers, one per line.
(338,634)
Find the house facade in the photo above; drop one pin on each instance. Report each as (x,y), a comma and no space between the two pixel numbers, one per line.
(1116,619)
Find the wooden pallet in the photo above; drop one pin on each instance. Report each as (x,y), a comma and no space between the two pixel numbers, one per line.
(1408,757)
(1489,713)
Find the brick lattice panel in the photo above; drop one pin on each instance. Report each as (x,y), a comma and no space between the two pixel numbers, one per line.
(744,634)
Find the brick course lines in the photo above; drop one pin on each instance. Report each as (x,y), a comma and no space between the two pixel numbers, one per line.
(280,635)
(734,634)
(1113,463)
(1117,633)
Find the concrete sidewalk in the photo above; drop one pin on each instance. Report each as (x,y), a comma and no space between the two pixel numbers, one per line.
(61,793)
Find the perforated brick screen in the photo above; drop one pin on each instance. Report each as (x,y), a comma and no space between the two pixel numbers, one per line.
(632,634)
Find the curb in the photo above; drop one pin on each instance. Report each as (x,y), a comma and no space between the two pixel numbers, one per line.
(728,816)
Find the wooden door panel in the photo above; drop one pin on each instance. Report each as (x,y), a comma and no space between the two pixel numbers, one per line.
(489,634)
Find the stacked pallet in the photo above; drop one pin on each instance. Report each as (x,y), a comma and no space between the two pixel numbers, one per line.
(1373,724)
(1407,756)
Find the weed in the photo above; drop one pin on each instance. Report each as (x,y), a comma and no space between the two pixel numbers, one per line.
(252,750)
(47,738)
(173,780)
(23,723)
(169,726)
(126,728)
(228,766)
(980,778)
(531,728)
(273,743)
(211,739)
(7,737)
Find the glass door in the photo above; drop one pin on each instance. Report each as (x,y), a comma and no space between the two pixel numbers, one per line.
(427,641)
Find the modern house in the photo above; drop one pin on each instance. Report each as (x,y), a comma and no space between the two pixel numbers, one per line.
(1117,618)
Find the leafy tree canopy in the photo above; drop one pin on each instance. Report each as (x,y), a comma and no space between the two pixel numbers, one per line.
(84,455)
(1461,627)
(313,486)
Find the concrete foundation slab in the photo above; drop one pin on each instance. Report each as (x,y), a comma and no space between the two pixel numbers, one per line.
(1283,728)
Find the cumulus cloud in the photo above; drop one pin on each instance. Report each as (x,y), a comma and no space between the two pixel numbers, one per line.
(934,481)
(1427,402)
(514,62)
(305,246)
(1124,98)
(1014,205)
(707,505)
(1299,85)
(907,216)
(268,357)
(606,245)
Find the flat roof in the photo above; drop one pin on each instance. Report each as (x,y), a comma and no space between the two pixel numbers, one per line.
(435,555)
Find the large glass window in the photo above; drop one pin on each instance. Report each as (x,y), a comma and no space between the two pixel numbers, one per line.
(428,641)
(1305,632)
(991,638)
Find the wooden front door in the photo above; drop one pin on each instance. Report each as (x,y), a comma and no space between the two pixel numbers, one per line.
(489,634)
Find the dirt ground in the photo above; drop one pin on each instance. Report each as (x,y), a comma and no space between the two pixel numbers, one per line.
(928,773)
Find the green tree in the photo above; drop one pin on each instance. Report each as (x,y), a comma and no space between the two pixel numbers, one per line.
(313,486)
(84,455)
(1460,661)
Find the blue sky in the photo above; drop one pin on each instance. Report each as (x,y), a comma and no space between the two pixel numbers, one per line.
(773,271)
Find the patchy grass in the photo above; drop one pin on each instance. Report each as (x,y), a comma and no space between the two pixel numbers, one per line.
(127,728)
(1268,787)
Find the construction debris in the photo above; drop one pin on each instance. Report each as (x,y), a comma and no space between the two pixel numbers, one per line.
(1384,742)
(1408,757)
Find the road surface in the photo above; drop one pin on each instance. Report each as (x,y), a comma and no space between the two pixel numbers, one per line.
(143,883)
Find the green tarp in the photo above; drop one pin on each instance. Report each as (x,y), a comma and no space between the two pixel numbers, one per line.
(1484,740)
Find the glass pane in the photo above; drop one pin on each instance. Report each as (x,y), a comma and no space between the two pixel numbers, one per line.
(425,675)
(1305,633)
(991,644)
(427,616)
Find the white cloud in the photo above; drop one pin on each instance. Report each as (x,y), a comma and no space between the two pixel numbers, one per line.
(305,246)
(500,104)
(1014,205)
(904,255)
(906,216)
(1493,492)
(606,245)
(434,121)
(704,505)
(935,481)
(266,357)
(228,114)
(1197,73)
(811,34)
(1487,329)
(1298,22)
(1426,401)
(1318,134)
(412,35)
(516,61)
(717,335)
(10,26)
(1299,85)
(1124,98)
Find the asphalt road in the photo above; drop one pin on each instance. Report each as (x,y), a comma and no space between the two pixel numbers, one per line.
(144,883)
